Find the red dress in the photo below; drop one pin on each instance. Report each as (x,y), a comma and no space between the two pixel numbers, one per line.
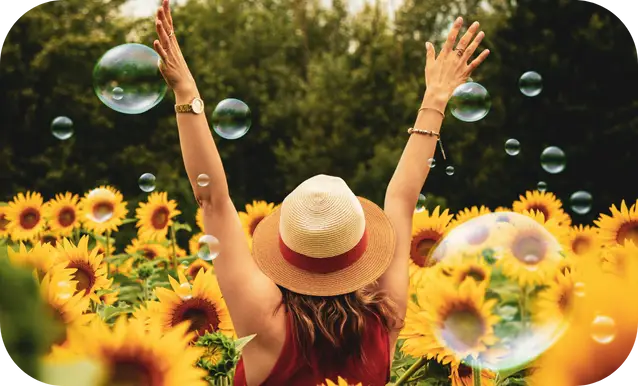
(291,368)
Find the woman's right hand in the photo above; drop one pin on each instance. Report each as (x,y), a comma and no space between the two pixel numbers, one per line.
(172,65)
(452,67)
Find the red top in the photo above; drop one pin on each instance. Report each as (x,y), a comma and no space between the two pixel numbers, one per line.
(291,368)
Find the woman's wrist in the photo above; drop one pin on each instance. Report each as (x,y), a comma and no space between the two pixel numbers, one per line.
(435,99)
(186,93)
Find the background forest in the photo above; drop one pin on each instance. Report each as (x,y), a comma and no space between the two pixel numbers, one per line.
(331,92)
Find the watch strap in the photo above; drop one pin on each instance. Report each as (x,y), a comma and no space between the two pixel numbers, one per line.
(188,108)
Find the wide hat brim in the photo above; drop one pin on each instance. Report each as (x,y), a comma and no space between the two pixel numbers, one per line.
(369,267)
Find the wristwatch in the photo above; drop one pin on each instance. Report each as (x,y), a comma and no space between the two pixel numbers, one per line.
(196,107)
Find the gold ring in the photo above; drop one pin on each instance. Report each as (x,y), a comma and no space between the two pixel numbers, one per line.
(460,51)
(171,34)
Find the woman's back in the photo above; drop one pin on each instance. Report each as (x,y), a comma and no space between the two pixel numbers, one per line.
(293,369)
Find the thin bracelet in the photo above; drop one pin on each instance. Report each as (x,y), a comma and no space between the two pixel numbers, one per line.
(433,109)
(412,130)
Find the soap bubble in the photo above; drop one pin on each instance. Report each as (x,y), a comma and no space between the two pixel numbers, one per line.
(509,269)
(231,119)
(581,202)
(62,128)
(541,186)
(512,146)
(203,180)
(603,329)
(531,83)
(102,208)
(147,182)
(420,204)
(553,159)
(449,170)
(470,102)
(209,248)
(431,163)
(127,79)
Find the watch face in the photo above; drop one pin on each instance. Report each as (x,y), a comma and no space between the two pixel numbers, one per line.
(198,106)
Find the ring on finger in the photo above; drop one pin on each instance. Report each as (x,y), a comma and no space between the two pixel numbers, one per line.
(460,51)
(171,34)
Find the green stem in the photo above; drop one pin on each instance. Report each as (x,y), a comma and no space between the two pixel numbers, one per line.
(413,369)
(145,290)
(476,373)
(76,235)
(523,305)
(108,252)
(174,243)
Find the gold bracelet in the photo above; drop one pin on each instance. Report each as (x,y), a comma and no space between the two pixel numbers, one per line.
(412,130)
(433,109)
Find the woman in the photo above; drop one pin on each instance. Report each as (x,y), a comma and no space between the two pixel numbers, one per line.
(326,287)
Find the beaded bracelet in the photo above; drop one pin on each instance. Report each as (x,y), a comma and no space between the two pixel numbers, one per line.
(412,130)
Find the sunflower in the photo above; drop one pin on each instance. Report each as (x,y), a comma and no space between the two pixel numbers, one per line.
(193,244)
(100,245)
(502,209)
(199,219)
(47,237)
(193,268)
(340,382)
(202,305)
(220,356)
(617,259)
(427,230)
(450,322)
(254,214)
(134,354)
(4,222)
(583,240)
(62,214)
(57,288)
(468,214)
(475,268)
(544,202)
(103,209)
(561,233)
(110,298)
(621,226)
(90,273)
(25,216)
(461,375)
(556,302)
(155,216)
(41,257)
(143,250)
(532,255)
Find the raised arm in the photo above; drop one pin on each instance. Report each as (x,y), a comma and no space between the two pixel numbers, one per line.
(442,75)
(249,294)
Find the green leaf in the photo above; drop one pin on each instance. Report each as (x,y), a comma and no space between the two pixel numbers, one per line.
(128,221)
(179,226)
(242,342)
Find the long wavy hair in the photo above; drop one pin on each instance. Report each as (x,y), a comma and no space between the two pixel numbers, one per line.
(333,327)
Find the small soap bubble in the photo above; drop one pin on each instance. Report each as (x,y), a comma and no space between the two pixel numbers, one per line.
(102,207)
(449,170)
(147,182)
(470,102)
(203,180)
(118,93)
(512,147)
(603,329)
(231,119)
(579,289)
(541,186)
(209,248)
(62,128)
(531,83)
(431,163)
(553,160)
(420,204)
(581,202)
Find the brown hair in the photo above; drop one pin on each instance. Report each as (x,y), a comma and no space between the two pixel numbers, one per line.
(332,327)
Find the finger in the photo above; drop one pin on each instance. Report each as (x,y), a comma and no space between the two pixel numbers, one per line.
(167,11)
(161,51)
(477,62)
(430,53)
(451,37)
(163,37)
(162,17)
(467,38)
(472,48)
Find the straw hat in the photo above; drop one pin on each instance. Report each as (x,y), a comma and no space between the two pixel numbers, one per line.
(323,240)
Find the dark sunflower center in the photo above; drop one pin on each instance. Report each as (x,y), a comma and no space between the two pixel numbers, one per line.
(422,245)
(66,217)
(540,208)
(465,371)
(29,218)
(148,253)
(581,245)
(194,270)
(565,300)
(103,210)
(3,222)
(478,235)
(254,223)
(83,275)
(628,231)
(159,219)
(200,312)
(49,239)
(475,273)
(131,372)
(529,249)
(462,328)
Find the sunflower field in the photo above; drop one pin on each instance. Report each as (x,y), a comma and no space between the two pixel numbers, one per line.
(153,310)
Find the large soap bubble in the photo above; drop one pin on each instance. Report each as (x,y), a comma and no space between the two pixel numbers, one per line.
(127,79)
(509,295)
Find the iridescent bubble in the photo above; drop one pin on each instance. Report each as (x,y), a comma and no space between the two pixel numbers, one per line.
(203,180)
(541,186)
(470,102)
(62,128)
(531,83)
(209,248)
(420,203)
(147,182)
(581,202)
(553,159)
(579,289)
(231,119)
(512,146)
(449,170)
(500,263)
(431,163)
(603,329)
(102,208)
(127,79)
